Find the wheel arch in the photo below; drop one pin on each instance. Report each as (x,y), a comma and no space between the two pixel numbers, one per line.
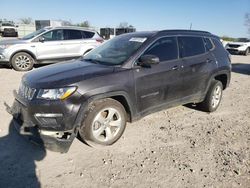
(121,97)
(24,51)
(223,78)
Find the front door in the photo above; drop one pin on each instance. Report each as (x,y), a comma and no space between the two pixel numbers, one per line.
(52,45)
(159,84)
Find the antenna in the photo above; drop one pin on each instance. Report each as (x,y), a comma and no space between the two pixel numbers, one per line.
(190,28)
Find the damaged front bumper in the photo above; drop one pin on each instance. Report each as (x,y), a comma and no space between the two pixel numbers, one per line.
(28,124)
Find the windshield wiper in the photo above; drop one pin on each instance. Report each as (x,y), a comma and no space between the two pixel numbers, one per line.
(91,60)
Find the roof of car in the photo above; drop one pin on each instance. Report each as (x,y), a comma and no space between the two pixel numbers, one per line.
(70,27)
(170,32)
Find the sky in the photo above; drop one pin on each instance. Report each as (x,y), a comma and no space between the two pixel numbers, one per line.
(221,17)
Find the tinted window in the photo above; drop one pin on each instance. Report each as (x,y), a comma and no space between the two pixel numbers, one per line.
(218,43)
(73,34)
(88,34)
(190,46)
(164,48)
(53,35)
(208,44)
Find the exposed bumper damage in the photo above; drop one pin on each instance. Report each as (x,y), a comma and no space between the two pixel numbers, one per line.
(58,141)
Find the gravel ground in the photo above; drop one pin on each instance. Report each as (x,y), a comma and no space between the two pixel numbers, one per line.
(178,147)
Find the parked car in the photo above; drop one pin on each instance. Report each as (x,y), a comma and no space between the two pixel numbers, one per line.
(8,29)
(240,47)
(48,45)
(121,81)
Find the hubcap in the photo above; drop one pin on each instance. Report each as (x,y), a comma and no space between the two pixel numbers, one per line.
(216,96)
(106,124)
(22,61)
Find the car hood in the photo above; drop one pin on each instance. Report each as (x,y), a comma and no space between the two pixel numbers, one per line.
(13,41)
(239,43)
(64,74)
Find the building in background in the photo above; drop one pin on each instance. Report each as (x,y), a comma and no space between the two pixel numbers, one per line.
(108,33)
(45,23)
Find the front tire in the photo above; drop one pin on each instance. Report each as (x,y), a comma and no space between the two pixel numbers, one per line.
(104,122)
(213,97)
(22,62)
(247,52)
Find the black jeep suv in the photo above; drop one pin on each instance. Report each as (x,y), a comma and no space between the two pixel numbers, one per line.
(124,79)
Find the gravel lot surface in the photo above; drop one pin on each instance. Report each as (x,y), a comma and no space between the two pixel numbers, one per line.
(178,147)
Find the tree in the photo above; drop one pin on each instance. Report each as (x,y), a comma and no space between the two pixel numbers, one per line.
(84,24)
(247,21)
(26,20)
(125,25)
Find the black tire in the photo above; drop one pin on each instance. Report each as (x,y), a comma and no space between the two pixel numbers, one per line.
(247,52)
(209,105)
(94,130)
(22,62)
(87,52)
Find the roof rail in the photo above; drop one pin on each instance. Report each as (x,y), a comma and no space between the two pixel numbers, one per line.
(185,31)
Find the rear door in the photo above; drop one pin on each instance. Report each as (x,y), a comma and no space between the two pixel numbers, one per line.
(161,83)
(197,62)
(73,39)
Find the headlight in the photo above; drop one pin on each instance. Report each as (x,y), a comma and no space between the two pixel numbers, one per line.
(4,46)
(54,94)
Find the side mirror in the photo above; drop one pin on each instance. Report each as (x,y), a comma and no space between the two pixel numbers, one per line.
(41,39)
(148,60)
(17,26)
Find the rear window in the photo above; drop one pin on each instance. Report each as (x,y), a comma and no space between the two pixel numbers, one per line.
(71,34)
(208,44)
(88,34)
(191,46)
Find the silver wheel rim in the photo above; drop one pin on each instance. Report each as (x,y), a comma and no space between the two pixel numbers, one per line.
(216,96)
(23,62)
(106,124)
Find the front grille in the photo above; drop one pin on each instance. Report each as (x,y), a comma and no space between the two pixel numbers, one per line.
(9,30)
(234,45)
(26,92)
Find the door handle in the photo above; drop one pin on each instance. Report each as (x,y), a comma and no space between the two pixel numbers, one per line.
(175,67)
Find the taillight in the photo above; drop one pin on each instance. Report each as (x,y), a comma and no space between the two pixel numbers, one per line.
(99,40)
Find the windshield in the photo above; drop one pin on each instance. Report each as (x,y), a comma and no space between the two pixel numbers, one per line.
(8,24)
(32,35)
(115,51)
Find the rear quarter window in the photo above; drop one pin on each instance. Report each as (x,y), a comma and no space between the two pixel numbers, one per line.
(208,44)
(191,46)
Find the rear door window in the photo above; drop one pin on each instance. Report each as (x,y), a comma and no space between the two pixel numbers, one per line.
(71,34)
(191,46)
(165,49)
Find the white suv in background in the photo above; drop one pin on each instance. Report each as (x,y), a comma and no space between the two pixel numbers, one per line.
(48,45)
(241,47)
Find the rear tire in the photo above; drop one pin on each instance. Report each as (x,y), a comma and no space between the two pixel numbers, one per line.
(104,122)
(22,62)
(213,97)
